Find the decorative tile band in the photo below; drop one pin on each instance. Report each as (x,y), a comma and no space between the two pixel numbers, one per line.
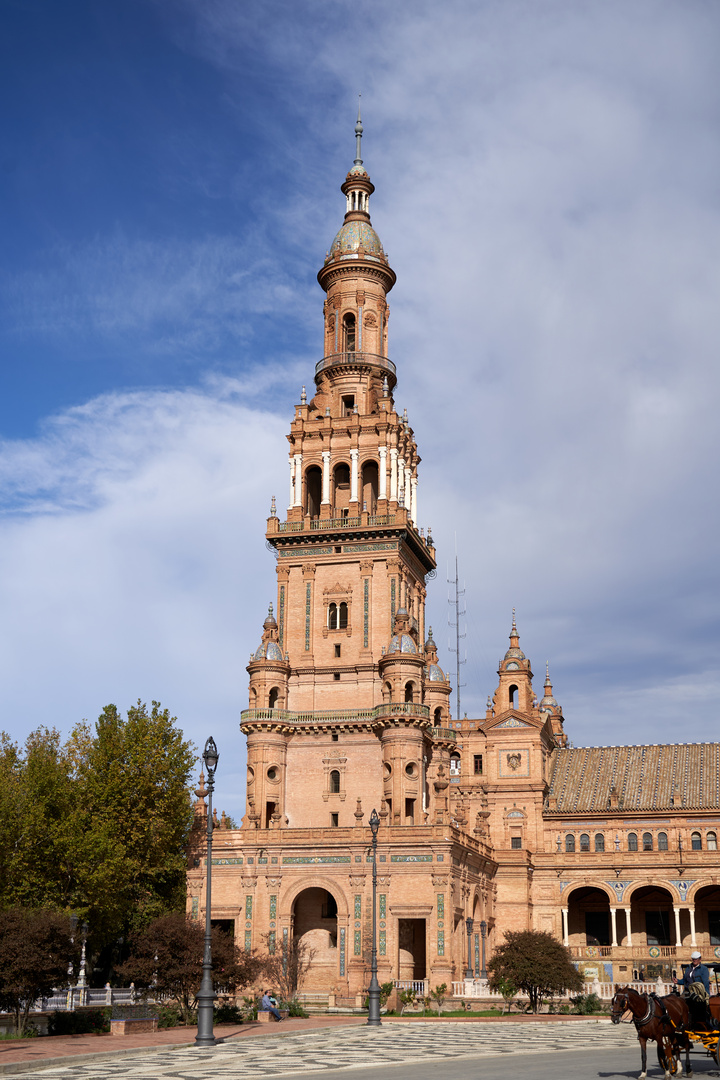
(307,860)
(477,956)
(227,862)
(383,905)
(441,906)
(357,944)
(271,942)
(358,905)
(369,547)
(411,858)
(281,616)
(248,907)
(248,940)
(366,611)
(342,950)
(273,906)
(291,553)
(441,943)
(383,942)
(195,907)
(392,605)
(308,608)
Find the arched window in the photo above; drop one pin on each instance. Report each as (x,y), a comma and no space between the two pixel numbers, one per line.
(512,701)
(273,696)
(348,324)
(584,841)
(647,841)
(332,617)
(313,491)
(711,841)
(662,841)
(599,842)
(369,484)
(632,841)
(388,692)
(569,842)
(696,841)
(409,691)
(334,782)
(438,716)
(341,490)
(342,616)
(454,764)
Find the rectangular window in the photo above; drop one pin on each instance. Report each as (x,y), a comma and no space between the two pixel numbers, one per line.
(477,764)
(337,650)
(335,736)
(334,821)
(336,676)
(348,399)
(409,811)
(516,842)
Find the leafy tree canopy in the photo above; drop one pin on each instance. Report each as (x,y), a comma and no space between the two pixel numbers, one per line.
(36,949)
(534,962)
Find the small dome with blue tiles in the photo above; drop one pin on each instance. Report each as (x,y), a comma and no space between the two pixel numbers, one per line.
(402,643)
(434,673)
(269,650)
(352,236)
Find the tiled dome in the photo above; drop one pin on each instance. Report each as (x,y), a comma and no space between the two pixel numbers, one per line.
(352,235)
(434,673)
(402,643)
(268,650)
(514,654)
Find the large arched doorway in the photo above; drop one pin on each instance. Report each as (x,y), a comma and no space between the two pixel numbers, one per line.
(588,920)
(707,922)
(315,931)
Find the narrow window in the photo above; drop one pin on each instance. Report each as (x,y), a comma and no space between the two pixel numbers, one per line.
(343,616)
(272,697)
(335,736)
(477,764)
(349,332)
(438,717)
(336,676)
(632,841)
(599,842)
(332,617)
(335,782)
(348,404)
(408,691)
(409,811)
(455,765)
(516,842)
(512,699)
(334,821)
(711,841)
(662,841)
(584,841)
(337,650)
(647,841)
(569,842)
(696,841)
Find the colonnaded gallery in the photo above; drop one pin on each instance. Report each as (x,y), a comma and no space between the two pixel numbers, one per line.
(496,818)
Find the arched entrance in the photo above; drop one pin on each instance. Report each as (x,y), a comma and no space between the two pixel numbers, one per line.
(707,922)
(589,919)
(315,930)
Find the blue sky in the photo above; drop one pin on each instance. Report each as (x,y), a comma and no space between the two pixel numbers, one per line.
(547,180)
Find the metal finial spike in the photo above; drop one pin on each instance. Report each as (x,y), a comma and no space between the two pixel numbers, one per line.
(273,507)
(270,610)
(513,625)
(547,670)
(303,397)
(358,137)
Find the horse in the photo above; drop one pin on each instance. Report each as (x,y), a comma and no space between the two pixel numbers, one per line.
(660,1019)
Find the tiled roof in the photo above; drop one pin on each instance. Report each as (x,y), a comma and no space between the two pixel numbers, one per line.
(681,777)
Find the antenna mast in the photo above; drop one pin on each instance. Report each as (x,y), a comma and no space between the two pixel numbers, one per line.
(454,602)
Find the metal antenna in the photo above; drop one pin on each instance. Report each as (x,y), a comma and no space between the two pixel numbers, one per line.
(454,601)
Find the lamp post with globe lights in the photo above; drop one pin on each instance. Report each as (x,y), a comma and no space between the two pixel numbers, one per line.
(374,991)
(206,993)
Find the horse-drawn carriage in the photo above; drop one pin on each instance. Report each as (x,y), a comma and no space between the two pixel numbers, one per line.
(672,1024)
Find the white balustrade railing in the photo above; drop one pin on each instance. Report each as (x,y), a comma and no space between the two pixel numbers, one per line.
(478,988)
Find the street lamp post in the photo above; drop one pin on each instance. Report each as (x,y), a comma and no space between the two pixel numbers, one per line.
(206,994)
(483,932)
(469,928)
(374,992)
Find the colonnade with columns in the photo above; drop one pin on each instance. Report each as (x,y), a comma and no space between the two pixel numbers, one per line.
(690,908)
(403,482)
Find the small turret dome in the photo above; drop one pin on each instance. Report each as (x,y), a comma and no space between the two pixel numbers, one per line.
(402,643)
(352,236)
(434,673)
(270,623)
(268,650)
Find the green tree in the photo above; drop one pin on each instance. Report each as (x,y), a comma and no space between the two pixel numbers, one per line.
(167,957)
(36,948)
(285,967)
(438,995)
(534,962)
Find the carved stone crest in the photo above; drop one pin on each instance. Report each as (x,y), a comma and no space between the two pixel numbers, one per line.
(514,761)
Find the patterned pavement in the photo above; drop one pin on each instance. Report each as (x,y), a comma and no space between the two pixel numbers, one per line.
(347,1048)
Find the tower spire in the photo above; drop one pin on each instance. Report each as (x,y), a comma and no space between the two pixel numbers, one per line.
(358,137)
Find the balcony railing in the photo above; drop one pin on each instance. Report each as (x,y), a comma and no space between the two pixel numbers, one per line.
(359,357)
(285,716)
(336,523)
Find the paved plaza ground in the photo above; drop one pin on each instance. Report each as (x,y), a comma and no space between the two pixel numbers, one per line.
(413,1051)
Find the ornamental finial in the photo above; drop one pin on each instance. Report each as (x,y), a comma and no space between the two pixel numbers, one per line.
(358,136)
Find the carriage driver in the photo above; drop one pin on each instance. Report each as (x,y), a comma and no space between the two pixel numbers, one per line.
(697,973)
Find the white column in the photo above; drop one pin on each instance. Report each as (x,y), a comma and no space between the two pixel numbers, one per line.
(382,486)
(401,479)
(566,936)
(292,483)
(326,476)
(353,475)
(691,909)
(408,491)
(613,920)
(627,925)
(298,479)
(393,473)
(413,499)
(678,939)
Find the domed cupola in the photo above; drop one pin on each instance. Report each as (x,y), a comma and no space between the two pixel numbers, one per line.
(437,687)
(402,665)
(433,671)
(269,669)
(514,652)
(548,703)
(269,648)
(550,709)
(401,641)
(515,688)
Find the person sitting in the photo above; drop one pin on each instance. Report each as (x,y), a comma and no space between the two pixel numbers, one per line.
(268,1005)
(696,983)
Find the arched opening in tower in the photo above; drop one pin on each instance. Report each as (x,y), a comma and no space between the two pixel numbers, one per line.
(341,490)
(313,491)
(409,691)
(348,324)
(315,930)
(512,697)
(273,697)
(370,484)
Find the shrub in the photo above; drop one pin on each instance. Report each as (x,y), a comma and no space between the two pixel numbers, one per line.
(585,1004)
(169,1016)
(82,1022)
(227,1014)
(294,1008)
